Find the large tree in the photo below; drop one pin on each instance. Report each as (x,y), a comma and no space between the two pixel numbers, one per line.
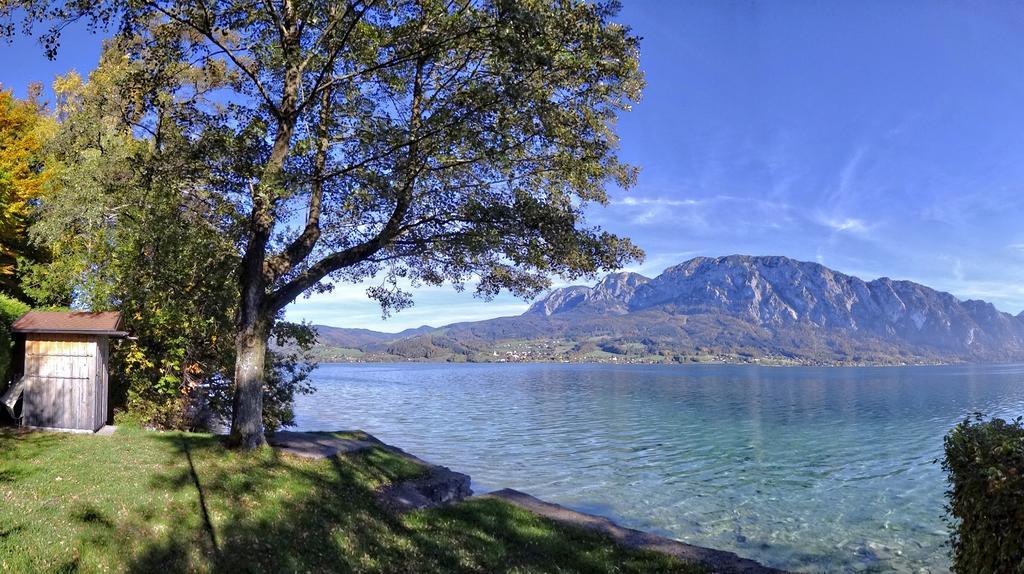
(415,141)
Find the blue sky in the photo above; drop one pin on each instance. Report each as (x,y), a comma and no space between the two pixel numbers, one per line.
(878,138)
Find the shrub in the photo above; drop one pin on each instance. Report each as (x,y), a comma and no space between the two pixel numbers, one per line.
(10,310)
(984,461)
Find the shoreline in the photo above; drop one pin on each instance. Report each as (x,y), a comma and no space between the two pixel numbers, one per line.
(719,561)
(443,486)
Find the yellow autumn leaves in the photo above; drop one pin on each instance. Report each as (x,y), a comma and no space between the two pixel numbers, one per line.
(24,128)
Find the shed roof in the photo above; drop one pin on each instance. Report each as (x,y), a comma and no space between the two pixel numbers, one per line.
(72,322)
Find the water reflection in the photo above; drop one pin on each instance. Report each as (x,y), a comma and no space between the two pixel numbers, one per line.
(802,468)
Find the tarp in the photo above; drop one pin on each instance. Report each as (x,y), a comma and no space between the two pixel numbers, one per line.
(10,397)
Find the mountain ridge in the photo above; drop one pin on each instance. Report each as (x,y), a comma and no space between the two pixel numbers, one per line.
(736,307)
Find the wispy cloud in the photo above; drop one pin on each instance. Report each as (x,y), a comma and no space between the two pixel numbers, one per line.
(656,201)
(848,175)
(973,278)
(703,215)
(847,224)
(347,305)
(434,315)
(848,178)
(1002,293)
(645,211)
(958,269)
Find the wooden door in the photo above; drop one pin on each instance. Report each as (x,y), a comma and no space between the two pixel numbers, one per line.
(61,390)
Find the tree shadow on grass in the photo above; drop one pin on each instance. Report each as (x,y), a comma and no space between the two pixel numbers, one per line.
(496,535)
(207,525)
(263,512)
(267,512)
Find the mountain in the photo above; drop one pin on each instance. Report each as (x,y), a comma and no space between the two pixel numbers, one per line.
(731,308)
(611,295)
(361,338)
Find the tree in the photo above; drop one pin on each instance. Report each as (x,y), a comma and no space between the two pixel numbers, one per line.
(419,141)
(24,127)
(129,221)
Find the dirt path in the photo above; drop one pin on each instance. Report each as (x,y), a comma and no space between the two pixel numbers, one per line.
(321,445)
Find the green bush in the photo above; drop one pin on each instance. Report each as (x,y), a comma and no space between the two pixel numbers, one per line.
(10,311)
(985,465)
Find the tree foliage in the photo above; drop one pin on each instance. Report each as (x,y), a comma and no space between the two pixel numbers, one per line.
(408,141)
(130,227)
(984,460)
(24,128)
(10,311)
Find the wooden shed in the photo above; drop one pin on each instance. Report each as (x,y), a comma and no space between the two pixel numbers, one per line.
(64,382)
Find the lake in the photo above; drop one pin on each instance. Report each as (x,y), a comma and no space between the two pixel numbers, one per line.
(809,469)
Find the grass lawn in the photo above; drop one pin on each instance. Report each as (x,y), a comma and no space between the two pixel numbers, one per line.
(176,502)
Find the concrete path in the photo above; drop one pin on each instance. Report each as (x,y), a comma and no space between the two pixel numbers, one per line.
(321,445)
(716,560)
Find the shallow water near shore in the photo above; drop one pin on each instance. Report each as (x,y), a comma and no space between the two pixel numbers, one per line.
(808,469)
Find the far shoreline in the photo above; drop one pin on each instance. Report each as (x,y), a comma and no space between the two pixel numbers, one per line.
(773,365)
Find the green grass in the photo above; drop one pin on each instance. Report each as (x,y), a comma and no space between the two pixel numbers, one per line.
(177,502)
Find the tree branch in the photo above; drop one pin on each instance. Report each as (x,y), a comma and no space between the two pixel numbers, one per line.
(209,34)
(391,230)
(302,246)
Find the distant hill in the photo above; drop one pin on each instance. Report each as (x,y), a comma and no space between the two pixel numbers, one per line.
(361,338)
(735,308)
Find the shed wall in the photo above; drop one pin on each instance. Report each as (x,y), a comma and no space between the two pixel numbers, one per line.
(63,389)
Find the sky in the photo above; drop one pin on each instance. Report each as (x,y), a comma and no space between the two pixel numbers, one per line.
(878,138)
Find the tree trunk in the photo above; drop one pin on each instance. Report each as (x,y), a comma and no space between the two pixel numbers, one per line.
(255,316)
(250,360)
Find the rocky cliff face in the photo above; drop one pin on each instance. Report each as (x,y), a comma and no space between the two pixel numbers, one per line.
(779,295)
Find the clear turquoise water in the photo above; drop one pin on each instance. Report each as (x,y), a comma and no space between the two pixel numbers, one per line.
(809,469)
